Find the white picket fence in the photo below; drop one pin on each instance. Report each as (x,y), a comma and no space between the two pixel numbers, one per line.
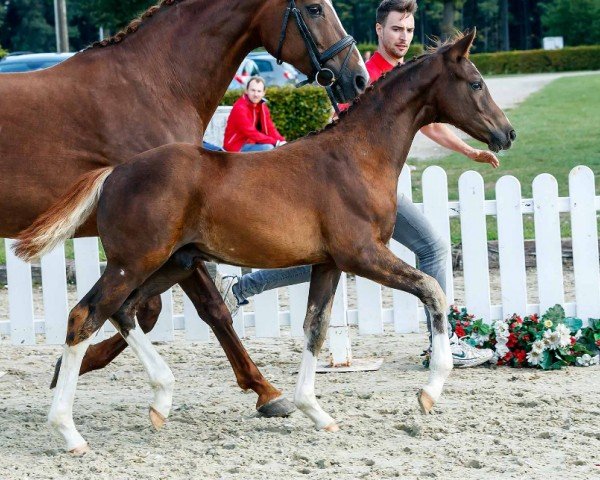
(268,320)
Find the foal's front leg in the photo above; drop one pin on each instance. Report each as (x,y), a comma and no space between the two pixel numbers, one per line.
(379,264)
(323,283)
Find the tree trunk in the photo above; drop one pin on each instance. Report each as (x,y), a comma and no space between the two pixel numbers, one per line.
(447,26)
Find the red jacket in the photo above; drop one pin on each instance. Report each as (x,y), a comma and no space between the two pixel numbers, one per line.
(376,66)
(242,125)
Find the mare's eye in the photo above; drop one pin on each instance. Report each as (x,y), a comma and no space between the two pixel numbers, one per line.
(315,10)
(476,86)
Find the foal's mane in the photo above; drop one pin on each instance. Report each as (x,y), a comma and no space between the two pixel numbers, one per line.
(133,26)
(438,47)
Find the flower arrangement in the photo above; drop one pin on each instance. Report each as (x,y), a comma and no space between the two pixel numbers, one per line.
(549,342)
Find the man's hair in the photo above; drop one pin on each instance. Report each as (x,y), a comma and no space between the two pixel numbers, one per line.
(408,7)
(256,78)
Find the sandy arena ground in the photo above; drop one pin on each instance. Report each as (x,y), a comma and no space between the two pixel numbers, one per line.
(491,423)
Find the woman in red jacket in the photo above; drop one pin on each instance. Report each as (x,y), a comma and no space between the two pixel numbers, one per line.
(249,126)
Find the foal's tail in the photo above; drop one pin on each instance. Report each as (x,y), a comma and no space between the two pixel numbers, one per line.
(61,220)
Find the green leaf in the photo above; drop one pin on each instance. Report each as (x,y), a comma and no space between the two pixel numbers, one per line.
(555,313)
(574,324)
(546,360)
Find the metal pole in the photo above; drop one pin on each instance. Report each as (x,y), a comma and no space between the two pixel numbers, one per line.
(60,24)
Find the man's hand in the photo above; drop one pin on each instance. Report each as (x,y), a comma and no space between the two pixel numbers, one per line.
(484,156)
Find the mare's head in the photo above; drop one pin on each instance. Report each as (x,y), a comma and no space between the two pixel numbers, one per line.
(463,99)
(309,35)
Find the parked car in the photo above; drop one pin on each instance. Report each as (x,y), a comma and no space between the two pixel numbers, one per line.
(274,74)
(32,61)
(247,69)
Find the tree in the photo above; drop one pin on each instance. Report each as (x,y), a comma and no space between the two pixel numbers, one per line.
(29,25)
(573,20)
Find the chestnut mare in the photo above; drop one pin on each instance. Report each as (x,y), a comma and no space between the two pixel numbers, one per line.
(157,82)
(328,199)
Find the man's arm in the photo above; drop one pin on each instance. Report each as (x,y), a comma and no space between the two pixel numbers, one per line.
(442,135)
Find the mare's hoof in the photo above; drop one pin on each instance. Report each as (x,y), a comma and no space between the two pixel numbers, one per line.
(425,402)
(56,372)
(80,450)
(280,407)
(158,419)
(332,427)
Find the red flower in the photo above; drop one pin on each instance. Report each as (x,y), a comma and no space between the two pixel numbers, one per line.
(507,357)
(521,356)
(534,318)
(512,341)
(526,338)
(460,331)
(519,319)
(598,343)
(573,340)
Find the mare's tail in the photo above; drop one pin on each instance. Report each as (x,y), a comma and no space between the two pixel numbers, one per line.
(61,220)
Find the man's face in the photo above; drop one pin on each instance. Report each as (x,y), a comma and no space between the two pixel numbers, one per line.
(396,34)
(255,91)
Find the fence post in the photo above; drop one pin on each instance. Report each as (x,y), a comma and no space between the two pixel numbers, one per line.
(548,249)
(20,298)
(513,278)
(54,291)
(474,245)
(584,233)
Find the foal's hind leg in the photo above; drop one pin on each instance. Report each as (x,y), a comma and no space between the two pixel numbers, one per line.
(323,283)
(381,265)
(208,302)
(161,377)
(85,319)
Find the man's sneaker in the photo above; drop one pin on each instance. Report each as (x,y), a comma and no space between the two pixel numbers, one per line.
(225,287)
(464,355)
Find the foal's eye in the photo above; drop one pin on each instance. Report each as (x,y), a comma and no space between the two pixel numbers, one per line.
(476,86)
(315,10)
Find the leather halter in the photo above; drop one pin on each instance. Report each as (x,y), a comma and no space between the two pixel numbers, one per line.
(322,75)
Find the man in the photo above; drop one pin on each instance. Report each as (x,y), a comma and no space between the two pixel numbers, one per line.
(395,29)
(249,126)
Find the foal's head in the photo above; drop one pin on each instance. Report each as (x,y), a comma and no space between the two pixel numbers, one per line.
(463,99)
(343,67)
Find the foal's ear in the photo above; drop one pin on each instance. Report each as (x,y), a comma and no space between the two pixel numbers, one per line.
(460,48)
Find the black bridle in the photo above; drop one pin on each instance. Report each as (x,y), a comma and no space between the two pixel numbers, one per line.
(322,75)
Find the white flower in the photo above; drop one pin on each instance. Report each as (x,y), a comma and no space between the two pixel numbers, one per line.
(534,357)
(538,346)
(501,349)
(578,334)
(551,339)
(501,329)
(565,335)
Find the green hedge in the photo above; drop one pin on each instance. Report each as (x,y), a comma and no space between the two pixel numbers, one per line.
(295,111)
(2,52)
(414,49)
(537,61)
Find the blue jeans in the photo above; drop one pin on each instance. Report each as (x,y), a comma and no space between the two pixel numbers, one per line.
(210,146)
(257,147)
(412,229)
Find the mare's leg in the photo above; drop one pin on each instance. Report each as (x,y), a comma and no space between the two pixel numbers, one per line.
(323,283)
(210,306)
(107,295)
(379,264)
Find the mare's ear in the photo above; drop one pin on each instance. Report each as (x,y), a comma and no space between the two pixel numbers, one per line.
(460,48)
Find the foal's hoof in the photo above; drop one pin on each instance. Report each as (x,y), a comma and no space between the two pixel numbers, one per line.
(332,427)
(280,407)
(425,402)
(56,372)
(158,419)
(80,450)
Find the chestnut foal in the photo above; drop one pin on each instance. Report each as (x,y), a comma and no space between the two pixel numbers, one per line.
(328,200)
(168,70)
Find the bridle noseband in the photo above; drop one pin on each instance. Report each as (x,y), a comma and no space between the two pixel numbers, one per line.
(322,75)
